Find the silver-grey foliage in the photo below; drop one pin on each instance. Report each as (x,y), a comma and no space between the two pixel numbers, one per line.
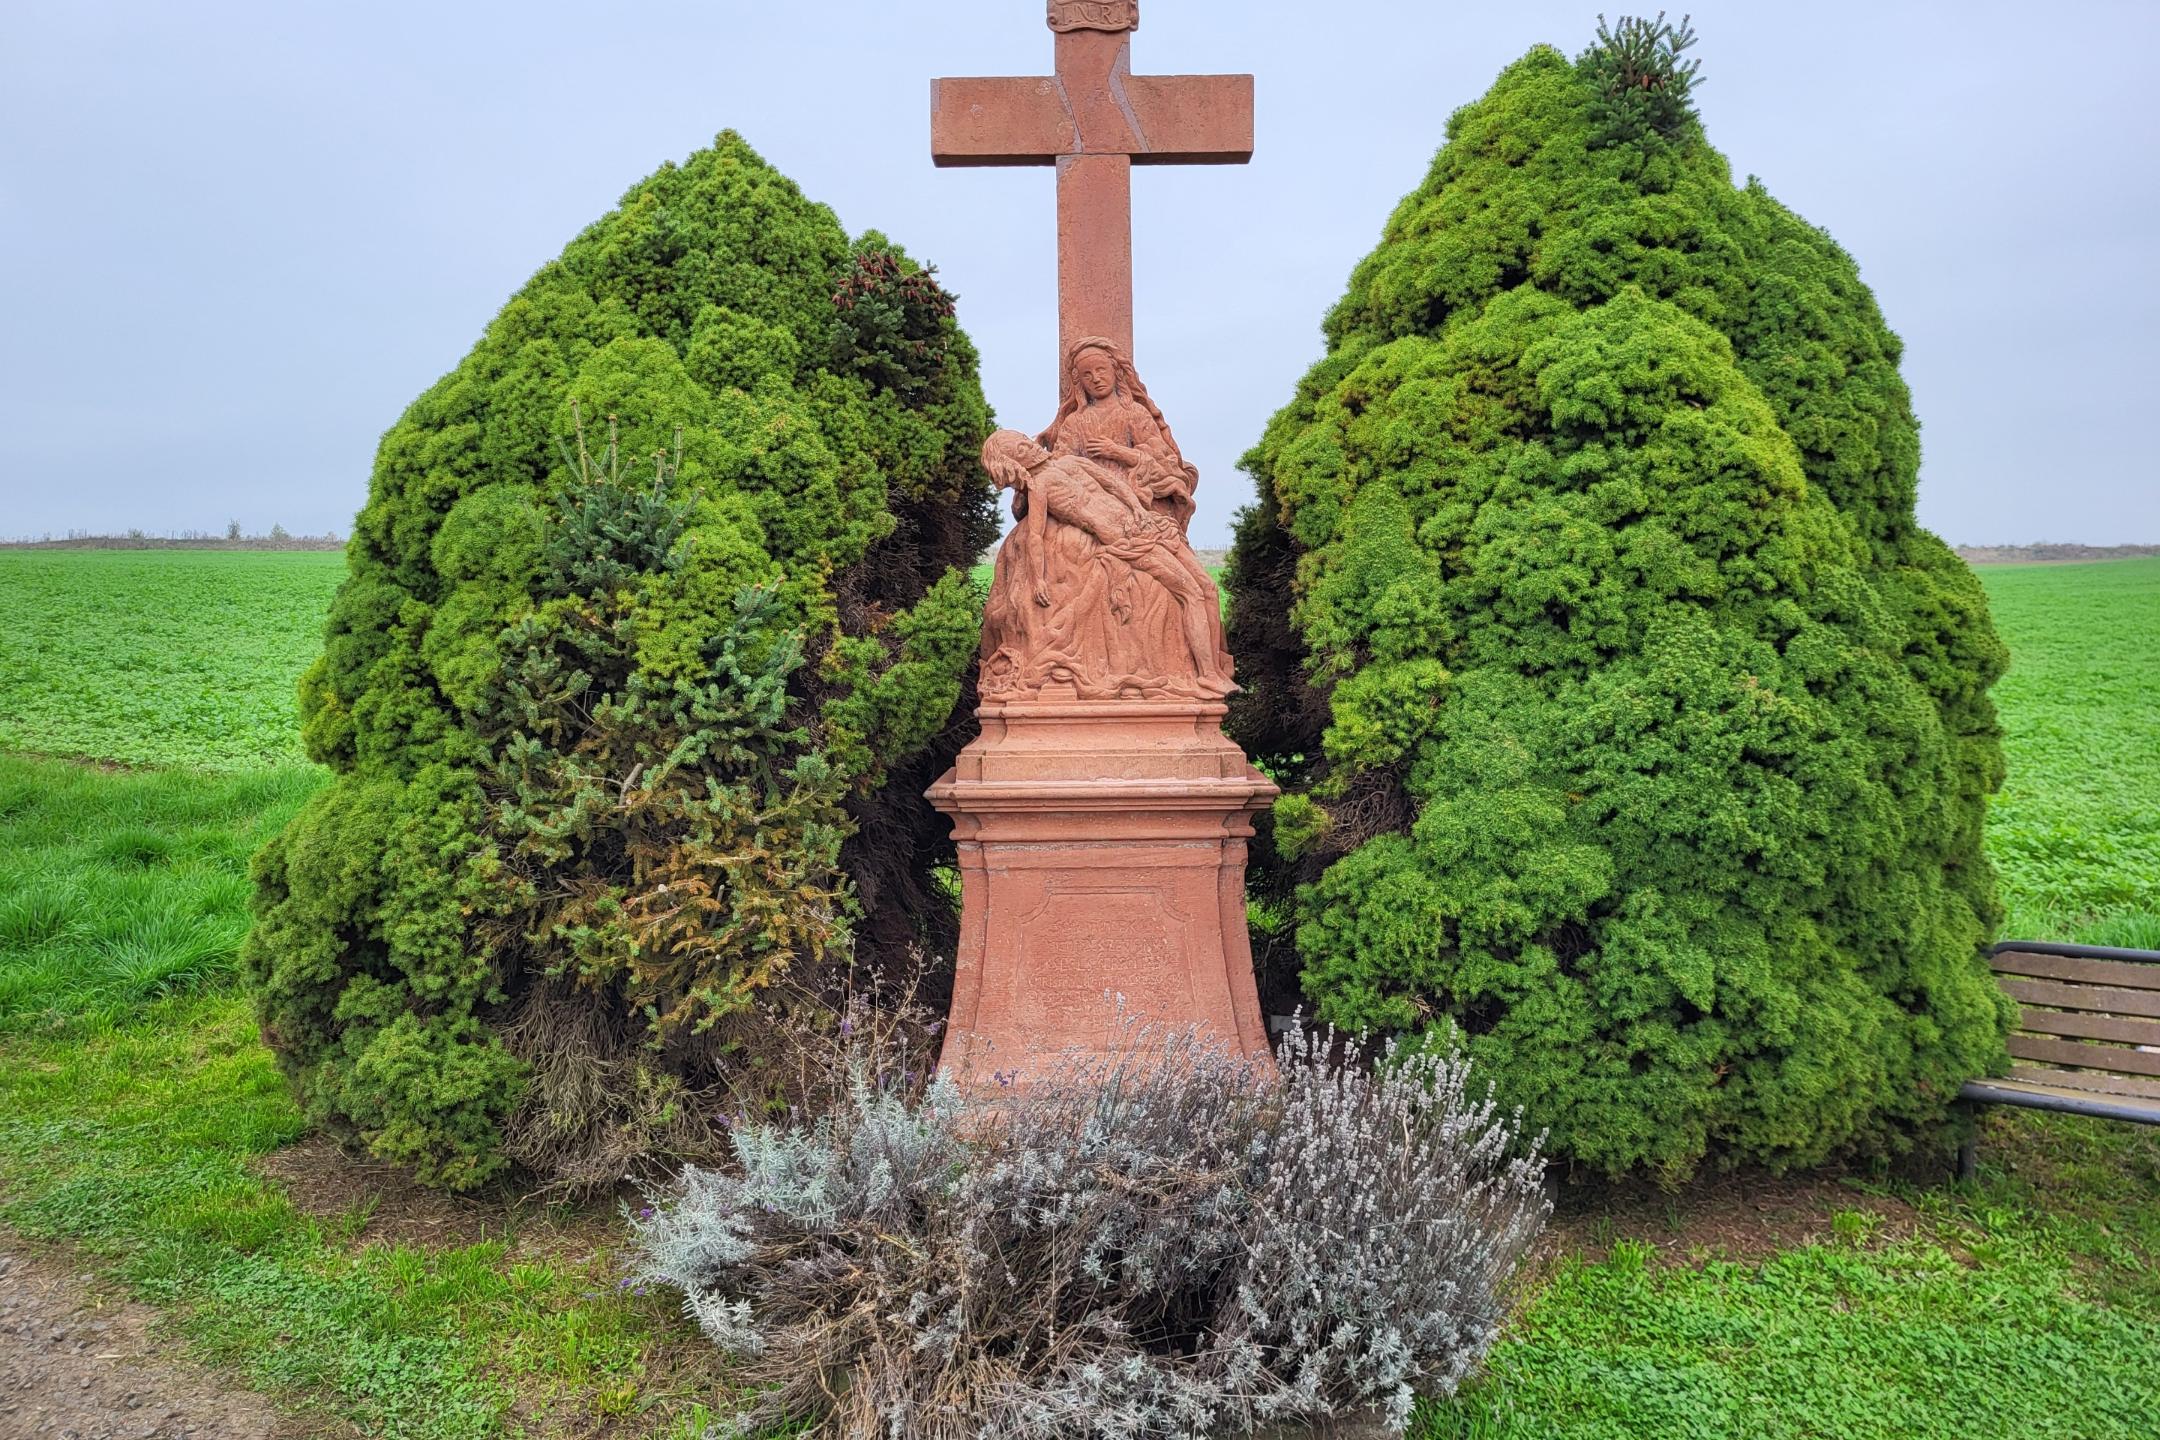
(1177,1242)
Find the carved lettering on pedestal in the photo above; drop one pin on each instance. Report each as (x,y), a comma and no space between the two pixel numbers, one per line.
(1094,15)
(1087,942)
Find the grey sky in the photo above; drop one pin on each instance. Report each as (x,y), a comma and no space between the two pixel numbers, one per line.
(236,239)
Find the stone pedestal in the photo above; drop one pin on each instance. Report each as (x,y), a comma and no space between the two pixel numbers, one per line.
(1102,852)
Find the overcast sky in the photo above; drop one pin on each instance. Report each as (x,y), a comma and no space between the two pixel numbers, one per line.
(236,239)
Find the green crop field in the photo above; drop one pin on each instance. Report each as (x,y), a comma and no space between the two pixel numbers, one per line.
(159,657)
(190,658)
(2076,829)
(141,1119)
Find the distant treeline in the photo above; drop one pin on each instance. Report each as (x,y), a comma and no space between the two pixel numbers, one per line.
(2025,554)
(232,539)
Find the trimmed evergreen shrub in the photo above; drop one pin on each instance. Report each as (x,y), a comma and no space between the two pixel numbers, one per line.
(1628,722)
(657,623)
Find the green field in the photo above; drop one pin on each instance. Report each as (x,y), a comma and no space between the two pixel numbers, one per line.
(2076,829)
(159,657)
(190,658)
(140,1117)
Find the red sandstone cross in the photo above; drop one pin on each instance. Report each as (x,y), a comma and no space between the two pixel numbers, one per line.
(1094,119)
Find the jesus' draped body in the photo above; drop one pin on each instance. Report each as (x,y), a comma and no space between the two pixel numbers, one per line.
(1093,589)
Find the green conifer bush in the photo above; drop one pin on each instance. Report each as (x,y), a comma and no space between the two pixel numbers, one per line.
(1630,725)
(657,622)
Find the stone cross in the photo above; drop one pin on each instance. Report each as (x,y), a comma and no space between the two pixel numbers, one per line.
(1094,119)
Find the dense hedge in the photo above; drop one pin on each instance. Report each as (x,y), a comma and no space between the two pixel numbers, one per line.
(625,729)
(1627,719)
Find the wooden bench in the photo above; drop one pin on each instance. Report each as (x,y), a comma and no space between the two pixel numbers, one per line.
(2088,1037)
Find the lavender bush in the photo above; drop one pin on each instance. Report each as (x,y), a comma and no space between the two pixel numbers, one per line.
(1174,1243)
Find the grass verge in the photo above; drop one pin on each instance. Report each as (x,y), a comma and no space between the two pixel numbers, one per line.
(2023,1307)
(138,1144)
(137,1105)
(118,889)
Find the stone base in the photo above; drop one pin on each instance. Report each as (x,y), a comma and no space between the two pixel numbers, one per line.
(1102,854)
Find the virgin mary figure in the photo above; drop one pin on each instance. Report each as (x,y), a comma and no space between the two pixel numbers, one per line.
(1105,415)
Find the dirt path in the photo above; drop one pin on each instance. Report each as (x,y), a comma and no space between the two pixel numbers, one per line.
(78,1365)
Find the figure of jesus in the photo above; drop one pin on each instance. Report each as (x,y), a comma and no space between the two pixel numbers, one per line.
(1098,502)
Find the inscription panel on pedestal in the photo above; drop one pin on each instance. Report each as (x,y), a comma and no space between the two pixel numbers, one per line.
(1087,939)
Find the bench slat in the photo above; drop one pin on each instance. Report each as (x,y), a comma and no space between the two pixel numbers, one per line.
(2098,1082)
(2092,1027)
(2056,1097)
(2094,1057)
(2102,998)
(2128,974)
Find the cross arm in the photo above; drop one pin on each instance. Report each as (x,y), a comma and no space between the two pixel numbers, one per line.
(999,120)
(1191,119)
(1155,119)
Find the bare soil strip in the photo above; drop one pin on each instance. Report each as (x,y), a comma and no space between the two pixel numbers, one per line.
(77,1364)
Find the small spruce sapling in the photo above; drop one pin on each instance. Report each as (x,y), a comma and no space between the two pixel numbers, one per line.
(1644,86)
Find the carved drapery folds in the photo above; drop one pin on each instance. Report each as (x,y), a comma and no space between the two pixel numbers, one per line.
(1097,595)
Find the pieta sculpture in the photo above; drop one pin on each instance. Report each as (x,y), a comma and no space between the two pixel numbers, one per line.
(1097,594)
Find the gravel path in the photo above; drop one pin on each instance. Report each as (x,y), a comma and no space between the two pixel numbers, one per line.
(75,1365)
